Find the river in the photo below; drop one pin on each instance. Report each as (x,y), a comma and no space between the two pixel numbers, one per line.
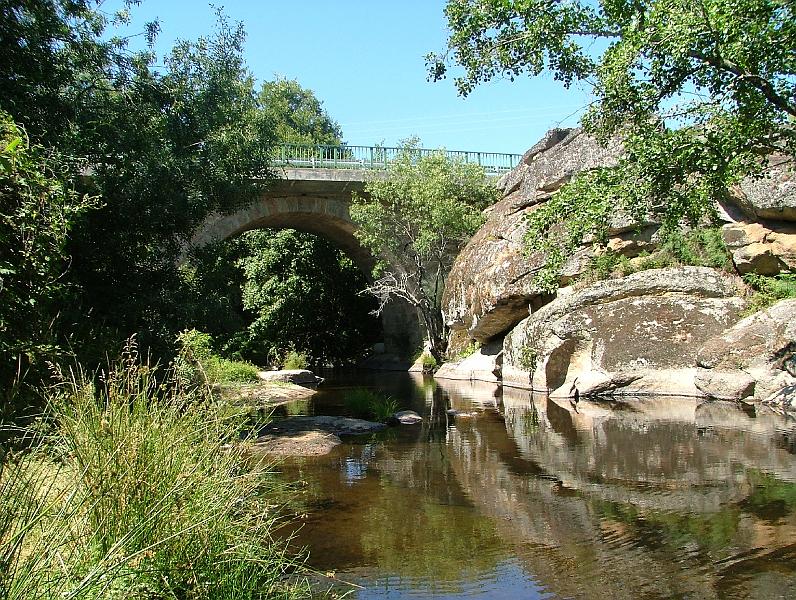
(535,498)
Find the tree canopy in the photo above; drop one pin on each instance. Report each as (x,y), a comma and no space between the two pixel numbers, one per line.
(699,92)
(269,291)
(416,219)
(296,115)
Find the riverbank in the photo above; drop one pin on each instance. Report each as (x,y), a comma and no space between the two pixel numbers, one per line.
(134,486)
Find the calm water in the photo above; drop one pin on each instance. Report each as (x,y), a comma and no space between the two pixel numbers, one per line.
(532,498)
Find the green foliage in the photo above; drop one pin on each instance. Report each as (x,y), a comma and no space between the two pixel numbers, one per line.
(416,219)
(139,494)
(429,362)
(197,364)
(295,360)
(38,208)
(223,370)
(697,92)
(604,265)
(703,247)
(769,290)
(471,348)
(528,358)
(302,291)
(367,404)
(296,115)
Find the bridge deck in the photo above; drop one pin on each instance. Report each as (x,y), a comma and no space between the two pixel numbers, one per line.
(358,158)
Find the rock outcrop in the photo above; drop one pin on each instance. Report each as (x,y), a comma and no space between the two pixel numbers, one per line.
(770,197)
(491,287)
(635,335)
(765,249)
(664,331)
(761,347)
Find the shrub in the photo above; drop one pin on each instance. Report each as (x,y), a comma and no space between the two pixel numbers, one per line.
(468,350)
(769,290)
(295,360)
(222,370)
(697,247)
(197,364)
(429,362)
(367,404)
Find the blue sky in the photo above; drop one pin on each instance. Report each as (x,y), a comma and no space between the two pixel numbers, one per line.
(364,59)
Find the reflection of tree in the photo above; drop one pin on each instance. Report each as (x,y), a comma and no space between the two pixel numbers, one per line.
(441,544)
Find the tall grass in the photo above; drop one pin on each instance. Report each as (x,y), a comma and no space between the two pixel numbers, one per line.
(137,492)
(367,404)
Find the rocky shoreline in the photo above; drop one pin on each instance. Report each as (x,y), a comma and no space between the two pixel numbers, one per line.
(678,331)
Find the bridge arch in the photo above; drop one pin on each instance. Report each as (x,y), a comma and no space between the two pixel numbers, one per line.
(320,208)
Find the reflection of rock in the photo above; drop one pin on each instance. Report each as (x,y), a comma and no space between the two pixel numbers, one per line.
(462,395)
(763,346)
(295,376)
(611,498)
(634,335)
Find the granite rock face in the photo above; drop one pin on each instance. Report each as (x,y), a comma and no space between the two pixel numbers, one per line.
(634,335)
(761,346)
(491,287)
(770,197)
(765,249)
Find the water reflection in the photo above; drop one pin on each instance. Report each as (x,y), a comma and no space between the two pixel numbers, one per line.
(529,497)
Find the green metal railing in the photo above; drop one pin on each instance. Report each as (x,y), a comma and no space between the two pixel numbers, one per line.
(379,157)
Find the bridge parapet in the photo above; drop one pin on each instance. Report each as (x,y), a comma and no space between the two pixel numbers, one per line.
(380,157)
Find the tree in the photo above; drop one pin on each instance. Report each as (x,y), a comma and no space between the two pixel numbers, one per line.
(303,293)
(416,219)
(38,208)
(168,146)
(296,115)
(699,92)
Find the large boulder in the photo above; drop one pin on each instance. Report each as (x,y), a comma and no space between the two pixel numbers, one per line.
(770,197)
(635,335)
(764,249)
(761,346)
(482,365)
(491,285)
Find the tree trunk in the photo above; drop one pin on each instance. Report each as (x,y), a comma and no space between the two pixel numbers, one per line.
(436,330)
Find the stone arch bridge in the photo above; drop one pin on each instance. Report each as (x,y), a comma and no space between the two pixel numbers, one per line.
(313,194)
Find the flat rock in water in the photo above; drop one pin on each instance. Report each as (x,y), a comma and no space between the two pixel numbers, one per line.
(301,443)
(328,424)
(406,417)
(296,376)
(264,393)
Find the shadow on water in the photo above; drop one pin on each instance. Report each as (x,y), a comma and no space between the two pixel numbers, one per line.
(522,496)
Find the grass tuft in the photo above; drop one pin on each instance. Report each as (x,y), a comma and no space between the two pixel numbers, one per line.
(367,404)
(138,490)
